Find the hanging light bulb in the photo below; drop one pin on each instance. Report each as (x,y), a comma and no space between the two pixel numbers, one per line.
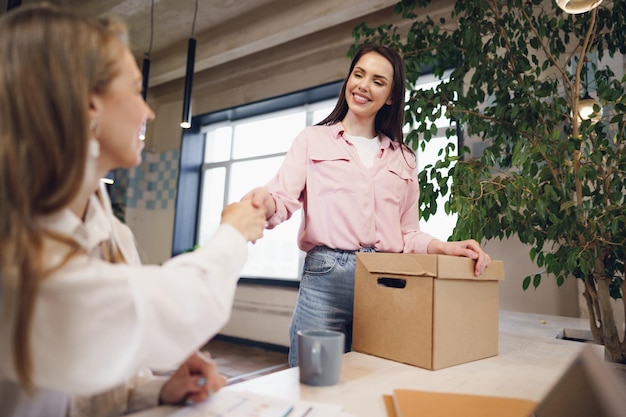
(586,109)
(587,105)
(577,6)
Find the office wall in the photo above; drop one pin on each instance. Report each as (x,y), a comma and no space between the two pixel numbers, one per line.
(150,188)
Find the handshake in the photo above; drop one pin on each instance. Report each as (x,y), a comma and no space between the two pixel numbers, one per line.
(250,214)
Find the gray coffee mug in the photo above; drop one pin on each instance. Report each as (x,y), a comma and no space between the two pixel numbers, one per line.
(319,356)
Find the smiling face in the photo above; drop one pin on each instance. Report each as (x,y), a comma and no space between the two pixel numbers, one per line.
(369,85)
(120,113)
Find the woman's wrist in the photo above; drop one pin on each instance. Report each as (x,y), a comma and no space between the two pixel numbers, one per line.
(270,207)
(434,247)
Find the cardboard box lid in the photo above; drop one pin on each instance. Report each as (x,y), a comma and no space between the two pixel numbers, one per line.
(421,265)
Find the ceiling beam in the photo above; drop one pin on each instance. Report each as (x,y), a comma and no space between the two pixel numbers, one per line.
(257,31)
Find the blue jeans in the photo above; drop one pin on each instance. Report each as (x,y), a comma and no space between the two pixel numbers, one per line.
(326,295)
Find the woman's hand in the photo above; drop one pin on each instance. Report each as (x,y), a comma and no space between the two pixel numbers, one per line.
(193,381)
(468,248)
(261,198)
(246,218)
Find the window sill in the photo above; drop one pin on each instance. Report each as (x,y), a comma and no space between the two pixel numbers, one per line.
(270,282)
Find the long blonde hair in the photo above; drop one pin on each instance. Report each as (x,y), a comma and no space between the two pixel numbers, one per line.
(52,61)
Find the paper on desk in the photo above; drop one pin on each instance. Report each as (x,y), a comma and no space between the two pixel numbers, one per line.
(247,404)
(308,409)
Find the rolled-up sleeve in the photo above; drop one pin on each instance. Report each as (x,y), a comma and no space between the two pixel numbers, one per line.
(289,182)
(415,240)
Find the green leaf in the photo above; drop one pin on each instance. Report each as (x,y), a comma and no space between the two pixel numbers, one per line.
(536,280)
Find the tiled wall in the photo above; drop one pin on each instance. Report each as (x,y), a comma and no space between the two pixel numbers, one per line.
(149,186)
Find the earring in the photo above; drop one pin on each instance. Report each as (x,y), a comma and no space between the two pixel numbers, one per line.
(93,148)
(94,145)
(94,128)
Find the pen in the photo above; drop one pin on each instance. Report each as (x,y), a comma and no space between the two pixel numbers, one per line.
(289,410)
(307,412)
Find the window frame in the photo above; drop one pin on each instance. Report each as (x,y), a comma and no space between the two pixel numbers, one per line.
(188,198)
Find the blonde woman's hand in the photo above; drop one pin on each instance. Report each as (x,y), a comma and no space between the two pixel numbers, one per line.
(193,381)
(246,218)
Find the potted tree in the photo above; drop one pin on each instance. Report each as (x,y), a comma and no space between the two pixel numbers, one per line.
(553,177)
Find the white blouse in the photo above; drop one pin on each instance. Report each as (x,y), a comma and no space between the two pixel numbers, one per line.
(96,324)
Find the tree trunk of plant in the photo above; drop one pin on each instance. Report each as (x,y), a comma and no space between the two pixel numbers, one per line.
(601,317)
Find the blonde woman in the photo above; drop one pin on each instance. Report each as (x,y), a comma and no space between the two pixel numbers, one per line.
(79,315)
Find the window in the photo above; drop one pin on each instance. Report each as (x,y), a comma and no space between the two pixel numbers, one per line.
(243,154)
(441,224)
(245,151)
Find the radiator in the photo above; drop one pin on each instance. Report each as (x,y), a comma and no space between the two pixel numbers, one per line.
(261,314)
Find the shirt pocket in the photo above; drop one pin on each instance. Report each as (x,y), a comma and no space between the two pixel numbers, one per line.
(393,184)
(330,172)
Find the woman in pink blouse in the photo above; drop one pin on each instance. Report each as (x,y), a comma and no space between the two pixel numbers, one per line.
(357,184)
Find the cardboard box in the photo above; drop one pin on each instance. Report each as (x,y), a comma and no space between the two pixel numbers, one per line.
(425,310)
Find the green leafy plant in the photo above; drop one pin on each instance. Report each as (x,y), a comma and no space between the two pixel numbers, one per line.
(515,84)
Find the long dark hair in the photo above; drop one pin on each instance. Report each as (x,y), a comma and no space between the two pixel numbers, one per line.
(390,118)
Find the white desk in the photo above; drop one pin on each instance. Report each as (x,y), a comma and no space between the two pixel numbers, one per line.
(530,361)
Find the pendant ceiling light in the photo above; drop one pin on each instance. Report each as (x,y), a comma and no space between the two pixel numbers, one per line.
(588,104)
(145,69)
(577,6)
(145,72)
(191,58)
